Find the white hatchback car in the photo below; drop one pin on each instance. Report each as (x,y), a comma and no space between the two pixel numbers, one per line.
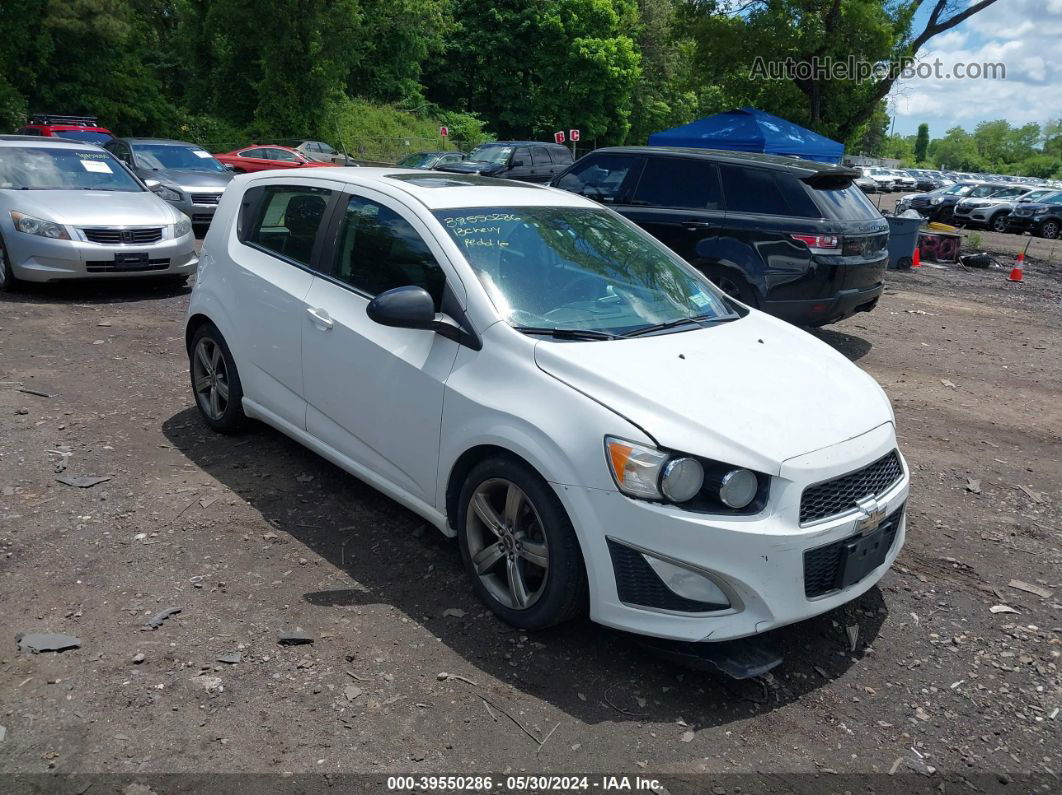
(598,425)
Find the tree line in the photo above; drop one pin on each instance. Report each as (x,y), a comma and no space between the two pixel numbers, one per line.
(231,71)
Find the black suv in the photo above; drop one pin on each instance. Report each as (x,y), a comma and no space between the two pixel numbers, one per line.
(527,161)
(1042,218)
(792,237)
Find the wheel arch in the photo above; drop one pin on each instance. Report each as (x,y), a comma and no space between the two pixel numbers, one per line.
(465,463)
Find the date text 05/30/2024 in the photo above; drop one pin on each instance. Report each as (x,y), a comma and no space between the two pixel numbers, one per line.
(521,783)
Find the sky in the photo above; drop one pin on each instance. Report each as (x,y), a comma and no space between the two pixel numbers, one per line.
(1026,35)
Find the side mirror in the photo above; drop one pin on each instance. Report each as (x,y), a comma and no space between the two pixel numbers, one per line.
(516,163)
(230,167)
(152,184)
(403,307)
(412,307)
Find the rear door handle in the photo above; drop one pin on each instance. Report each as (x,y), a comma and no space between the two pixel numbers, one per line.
(320,318)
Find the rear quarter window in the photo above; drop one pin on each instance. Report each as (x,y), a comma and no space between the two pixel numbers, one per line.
(843,204)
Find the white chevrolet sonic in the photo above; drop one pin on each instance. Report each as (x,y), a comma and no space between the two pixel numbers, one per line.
(601,428)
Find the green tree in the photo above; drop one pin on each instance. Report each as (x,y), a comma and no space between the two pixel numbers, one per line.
(921,147)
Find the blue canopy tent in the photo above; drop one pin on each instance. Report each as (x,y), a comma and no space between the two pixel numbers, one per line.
(751,130)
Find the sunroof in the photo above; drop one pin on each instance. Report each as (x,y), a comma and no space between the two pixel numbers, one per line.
(437,180)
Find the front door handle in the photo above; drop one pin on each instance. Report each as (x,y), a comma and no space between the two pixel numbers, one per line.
(694,225)
(320,318)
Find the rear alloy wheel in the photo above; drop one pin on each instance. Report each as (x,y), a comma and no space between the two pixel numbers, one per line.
(735,287)
(519,547)
(215,382)
(999,222)
(1049,229)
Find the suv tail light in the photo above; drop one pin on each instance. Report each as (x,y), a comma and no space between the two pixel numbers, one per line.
(821,244)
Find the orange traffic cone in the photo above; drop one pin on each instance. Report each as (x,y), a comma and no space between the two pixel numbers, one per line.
(916,260)
(1016,271)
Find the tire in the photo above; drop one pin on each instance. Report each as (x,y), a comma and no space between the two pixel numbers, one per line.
(1049,229)
(527,526)
(215,382)
(735,286)
(998,222)
(945,215)
(904,263)
(8,282)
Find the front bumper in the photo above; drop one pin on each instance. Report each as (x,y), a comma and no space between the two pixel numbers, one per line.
(757,560)
(198,211)
(40,259)
(1022,223)
(820,311)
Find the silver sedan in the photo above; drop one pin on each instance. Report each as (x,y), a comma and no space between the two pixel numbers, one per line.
(72,211)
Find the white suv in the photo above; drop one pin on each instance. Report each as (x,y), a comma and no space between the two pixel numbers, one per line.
(599,426)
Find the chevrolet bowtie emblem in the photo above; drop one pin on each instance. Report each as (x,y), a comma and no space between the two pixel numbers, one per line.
(871,514)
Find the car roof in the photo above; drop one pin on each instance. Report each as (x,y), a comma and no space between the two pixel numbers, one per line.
(521,143)
(46,143)
(435,190)
(793,165)
(162,141)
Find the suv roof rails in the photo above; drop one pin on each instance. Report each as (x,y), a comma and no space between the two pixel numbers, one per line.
(53,118)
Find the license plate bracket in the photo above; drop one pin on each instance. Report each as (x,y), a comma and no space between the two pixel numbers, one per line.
(131,260)
(863,555)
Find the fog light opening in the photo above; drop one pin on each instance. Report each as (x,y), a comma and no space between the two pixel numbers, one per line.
(689,584)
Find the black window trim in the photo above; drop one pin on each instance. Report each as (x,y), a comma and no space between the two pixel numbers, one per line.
(648,157)
(325,250)
(255,212)
(621,199)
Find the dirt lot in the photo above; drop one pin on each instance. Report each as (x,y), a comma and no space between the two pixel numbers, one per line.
(254,536)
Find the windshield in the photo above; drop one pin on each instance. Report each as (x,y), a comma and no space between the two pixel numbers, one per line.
(161,156)
(491,153)
(960,190)
(578,268)
(88,136)
(984,190)
(417,160)
(40,168)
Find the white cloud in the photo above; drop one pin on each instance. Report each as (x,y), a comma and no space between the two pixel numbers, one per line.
(1024,35)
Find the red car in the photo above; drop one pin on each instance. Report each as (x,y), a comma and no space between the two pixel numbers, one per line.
(73,128)
(264,157)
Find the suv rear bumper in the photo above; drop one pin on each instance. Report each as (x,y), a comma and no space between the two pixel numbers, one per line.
(820,311)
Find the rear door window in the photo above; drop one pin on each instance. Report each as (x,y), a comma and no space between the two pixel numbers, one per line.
(603,178)
(287,219)
(541,156)
(679,182)
(752,190)
(561,155)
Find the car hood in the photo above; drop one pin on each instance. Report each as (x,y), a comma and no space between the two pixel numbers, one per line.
(94,207)
(471,167)
(190,178)
(753,392)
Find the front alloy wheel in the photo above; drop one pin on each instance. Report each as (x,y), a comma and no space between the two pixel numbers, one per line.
(507,544)
(999,223)
(1049,229)
(518,545)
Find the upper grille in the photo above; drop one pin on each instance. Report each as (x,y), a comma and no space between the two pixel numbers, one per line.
(117,237)
(206,198)
(840,494)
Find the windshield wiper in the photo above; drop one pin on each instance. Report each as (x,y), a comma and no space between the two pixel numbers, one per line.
(696,320)
(567,333)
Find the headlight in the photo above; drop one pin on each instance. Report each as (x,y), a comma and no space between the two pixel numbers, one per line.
(36,226)
(636,468)
(736,488)
(650,474)
(182,227)
(168,194)
(934,201)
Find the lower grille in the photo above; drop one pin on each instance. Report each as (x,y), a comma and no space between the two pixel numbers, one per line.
(202,218)
(206,198)
(824,567)
(637,584)
(110,266)
(839,495)
(118,237)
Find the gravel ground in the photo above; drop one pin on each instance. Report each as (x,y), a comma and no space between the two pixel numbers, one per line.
(950,674)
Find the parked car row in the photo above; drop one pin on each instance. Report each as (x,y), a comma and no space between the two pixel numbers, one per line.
(1000,207)
(596,423)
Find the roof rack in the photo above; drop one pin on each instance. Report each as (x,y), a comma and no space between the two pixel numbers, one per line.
(52,118)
